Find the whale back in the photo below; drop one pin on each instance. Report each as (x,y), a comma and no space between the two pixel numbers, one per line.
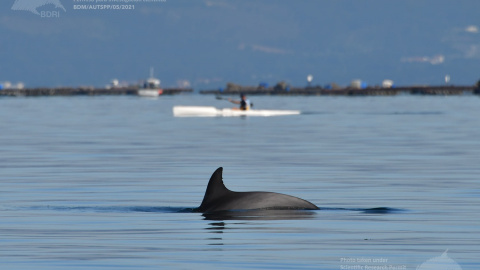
(220,198)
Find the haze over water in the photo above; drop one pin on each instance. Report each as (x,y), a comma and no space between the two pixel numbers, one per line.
(107,183)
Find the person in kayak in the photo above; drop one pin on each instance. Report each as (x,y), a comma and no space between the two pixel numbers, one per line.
(245,103)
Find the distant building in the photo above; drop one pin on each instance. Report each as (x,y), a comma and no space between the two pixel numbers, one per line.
(184,84)
(9,85)
(358,84)
(387,83)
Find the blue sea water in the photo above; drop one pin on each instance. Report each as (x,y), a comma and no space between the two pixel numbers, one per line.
(107,183)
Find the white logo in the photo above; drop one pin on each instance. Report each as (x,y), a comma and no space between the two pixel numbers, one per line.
(32,5)
(440,263)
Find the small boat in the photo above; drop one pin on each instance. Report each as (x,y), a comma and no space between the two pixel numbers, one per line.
(151,87)
(149,92)
(207,111)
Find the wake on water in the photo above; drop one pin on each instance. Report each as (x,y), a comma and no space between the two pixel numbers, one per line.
(167,209)
(256,214)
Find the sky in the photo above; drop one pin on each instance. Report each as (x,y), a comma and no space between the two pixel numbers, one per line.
(205,44)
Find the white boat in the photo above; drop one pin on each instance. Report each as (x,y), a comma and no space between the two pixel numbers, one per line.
(149,92)
(151,87)
(207,111)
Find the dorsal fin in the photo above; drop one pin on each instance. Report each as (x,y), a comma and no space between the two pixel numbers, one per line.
(215,188)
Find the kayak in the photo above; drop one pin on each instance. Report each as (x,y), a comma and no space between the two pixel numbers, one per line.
(207,111)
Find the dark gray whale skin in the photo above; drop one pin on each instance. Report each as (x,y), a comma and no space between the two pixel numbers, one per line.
(220,198)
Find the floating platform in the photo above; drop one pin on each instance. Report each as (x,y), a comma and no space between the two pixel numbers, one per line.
(85,91)
(249,90)
(369,91)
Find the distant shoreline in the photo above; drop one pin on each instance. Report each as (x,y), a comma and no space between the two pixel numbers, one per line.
(83,91)
(351,91)
(252,90)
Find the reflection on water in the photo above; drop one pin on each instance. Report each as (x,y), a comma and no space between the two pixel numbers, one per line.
(374,210)
(260,214)
(285,214)
(250,214)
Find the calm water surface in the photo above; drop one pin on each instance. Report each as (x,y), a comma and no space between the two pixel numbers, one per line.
(106,183)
